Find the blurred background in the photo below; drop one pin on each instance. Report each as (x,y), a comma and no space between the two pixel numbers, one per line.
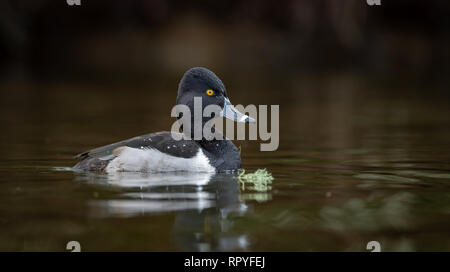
(140,40)
(364,108)
(295,53)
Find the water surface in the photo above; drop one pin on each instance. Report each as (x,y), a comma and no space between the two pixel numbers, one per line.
(355,164)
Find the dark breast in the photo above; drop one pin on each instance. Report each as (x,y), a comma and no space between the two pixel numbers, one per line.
(223,155)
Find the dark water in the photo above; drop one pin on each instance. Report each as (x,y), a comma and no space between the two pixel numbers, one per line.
(356,163)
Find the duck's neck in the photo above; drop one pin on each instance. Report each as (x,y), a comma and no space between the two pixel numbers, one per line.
(214,146)
(222,154)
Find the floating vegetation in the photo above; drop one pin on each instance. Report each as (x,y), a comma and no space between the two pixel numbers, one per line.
(260,180)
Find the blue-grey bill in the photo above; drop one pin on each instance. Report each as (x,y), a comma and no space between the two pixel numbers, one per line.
(230,112)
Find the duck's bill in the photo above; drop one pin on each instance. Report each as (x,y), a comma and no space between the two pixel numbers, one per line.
(230,112)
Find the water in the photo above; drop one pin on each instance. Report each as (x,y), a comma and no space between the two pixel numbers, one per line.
(357,162)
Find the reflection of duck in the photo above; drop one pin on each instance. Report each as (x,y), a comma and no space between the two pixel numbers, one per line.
(165,192)
(159,152)
(204,205)
(154,192)
(212,229)
(147,180)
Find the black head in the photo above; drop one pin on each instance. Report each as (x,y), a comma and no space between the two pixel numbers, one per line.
(201,83)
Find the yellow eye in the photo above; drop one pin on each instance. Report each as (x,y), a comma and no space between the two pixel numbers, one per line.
(209,92)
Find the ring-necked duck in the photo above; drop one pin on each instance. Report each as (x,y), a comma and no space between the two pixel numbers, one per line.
(159,152)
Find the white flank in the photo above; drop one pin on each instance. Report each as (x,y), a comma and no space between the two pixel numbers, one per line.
(153,160)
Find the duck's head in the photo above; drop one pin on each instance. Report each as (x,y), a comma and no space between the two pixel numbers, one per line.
(201,82)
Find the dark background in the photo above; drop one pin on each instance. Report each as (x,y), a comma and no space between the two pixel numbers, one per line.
(130,41)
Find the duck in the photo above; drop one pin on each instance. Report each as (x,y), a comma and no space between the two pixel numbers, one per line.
(161,151)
